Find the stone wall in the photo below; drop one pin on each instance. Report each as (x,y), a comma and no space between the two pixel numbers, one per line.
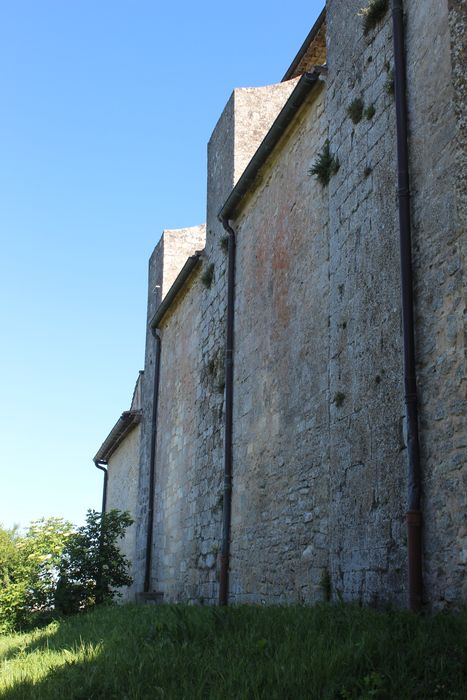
(175,545)
(367,447)
(189,464)
(279,549)
(438,195)
(122,493)
(319,491)
(165,263)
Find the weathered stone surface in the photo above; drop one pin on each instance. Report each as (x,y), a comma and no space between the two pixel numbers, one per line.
(165,263)
(122,493)
(280,379)
(438,172)
(319,492)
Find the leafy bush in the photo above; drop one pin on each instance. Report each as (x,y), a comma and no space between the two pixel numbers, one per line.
(54,567)
(29,566)
(92,566)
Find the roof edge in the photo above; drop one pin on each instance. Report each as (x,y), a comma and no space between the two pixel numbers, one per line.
(272,138)
(176,287)
(304,47)
(125,424)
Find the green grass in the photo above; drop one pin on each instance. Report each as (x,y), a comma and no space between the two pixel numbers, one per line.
(333,652)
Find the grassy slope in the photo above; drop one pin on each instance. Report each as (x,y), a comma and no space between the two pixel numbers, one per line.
(323,652)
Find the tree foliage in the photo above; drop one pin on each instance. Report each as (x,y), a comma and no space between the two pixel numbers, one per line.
(56,567)
(28,569)
(92,566)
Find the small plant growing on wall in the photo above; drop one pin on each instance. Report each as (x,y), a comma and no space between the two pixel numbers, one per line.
(370,112)
(325,166)
(373,13)
(207,277)
(389,84)
(339,399)
(224,244)
(355,110)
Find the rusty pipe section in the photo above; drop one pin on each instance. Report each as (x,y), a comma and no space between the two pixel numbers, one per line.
(414,515)
(229,346)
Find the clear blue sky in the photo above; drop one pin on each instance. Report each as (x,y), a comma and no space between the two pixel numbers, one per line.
(106,107)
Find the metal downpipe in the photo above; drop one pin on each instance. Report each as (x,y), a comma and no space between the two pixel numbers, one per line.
(414,515)
(152,465)
(229,345)
(103,467)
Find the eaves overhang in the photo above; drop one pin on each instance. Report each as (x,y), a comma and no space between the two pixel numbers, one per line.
(175,289)
(125,424)
(246,182)
(312,35)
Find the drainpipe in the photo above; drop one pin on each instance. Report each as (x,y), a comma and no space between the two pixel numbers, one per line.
(103,467)
(152,463)
(227,505)
(414,515)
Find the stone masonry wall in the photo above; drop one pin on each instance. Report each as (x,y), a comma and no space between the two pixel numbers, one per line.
(367,447)
(438,187)
(190,572)
(369,550)
(279,549)
(319,492)
(122,493)
(166,261)
(174,554)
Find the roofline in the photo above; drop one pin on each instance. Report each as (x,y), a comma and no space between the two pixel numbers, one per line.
(176,287)
(272,138)
(125,424)
(304,47)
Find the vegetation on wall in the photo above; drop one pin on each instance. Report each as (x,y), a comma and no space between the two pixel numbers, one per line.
(370,112)
(373,13)
(207,277)
(325,165)
(355,110)
(389,84)
(339,399)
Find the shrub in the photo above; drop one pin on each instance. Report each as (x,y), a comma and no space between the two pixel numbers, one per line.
(29,567)
(92,566)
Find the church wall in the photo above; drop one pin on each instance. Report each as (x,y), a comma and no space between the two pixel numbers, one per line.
(279,549)
(165,262)
(122,494)
(174,543)
(367,444)
(319,490)
(437,182)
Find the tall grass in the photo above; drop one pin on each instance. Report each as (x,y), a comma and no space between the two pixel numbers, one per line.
(324,652)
